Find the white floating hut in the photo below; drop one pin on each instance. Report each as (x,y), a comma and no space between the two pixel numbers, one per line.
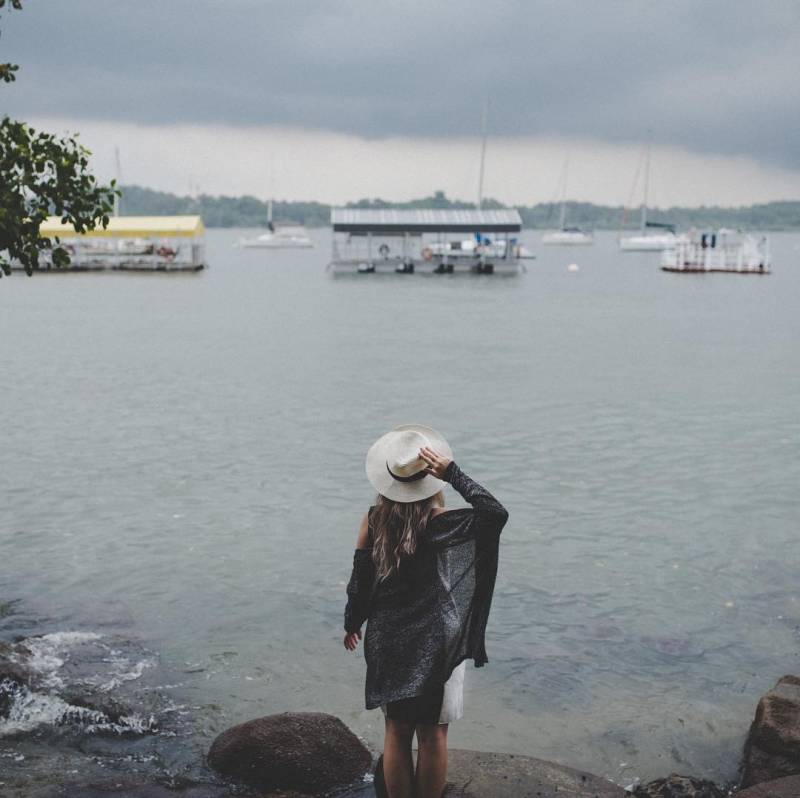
(132,243)
(432,241)
(720,250)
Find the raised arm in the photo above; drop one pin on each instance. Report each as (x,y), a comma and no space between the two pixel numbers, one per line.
(489,513)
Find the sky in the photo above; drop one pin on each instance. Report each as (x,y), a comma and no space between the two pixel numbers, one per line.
(336,100)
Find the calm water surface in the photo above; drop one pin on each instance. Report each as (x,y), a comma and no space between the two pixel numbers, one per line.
(182,463)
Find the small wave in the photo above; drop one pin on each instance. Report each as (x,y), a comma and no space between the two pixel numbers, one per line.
(28,710)
(47,653)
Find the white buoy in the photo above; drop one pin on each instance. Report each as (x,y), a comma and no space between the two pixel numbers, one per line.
(573,267)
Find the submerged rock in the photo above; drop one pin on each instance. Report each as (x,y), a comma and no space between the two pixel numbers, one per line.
(787,787)
(772,748)
(677,786)
(309,752)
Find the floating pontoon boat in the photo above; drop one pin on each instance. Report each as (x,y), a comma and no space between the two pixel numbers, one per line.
(432,241)
(718,251)
(131,243)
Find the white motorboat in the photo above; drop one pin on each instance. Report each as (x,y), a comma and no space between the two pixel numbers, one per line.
(283,237)
(569,236)
(279,238)
(648,243)
(643,241)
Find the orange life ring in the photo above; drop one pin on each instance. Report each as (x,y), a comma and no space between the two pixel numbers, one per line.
(427,253)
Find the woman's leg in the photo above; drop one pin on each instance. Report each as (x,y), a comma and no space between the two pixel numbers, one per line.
(398,766)
(431,774)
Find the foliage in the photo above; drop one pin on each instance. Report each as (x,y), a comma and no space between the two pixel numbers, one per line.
(251,212)
(40,175)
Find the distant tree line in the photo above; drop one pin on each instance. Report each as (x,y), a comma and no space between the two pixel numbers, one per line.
(248,211)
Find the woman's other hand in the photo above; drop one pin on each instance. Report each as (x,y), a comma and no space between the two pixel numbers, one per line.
(351,640)
(437,464)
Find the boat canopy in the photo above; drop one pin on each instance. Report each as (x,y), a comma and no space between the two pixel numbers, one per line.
(130,227)
(387,222)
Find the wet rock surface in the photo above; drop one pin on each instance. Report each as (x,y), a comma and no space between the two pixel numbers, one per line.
(787,787)
(677,786)
(310,752)
(132,787)
(475,774)
(772,748)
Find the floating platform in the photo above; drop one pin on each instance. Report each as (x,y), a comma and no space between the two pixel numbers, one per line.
(383,241)
(728,251)
(129,244)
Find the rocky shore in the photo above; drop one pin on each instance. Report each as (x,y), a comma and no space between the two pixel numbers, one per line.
(307,754)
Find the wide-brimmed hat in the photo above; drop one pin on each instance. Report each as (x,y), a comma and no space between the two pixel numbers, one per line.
(395,468)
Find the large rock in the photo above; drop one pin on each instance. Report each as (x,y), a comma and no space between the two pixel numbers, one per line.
(133,787)
(676,786)
(772,748)
(474,774)
(787,787)
(309,752)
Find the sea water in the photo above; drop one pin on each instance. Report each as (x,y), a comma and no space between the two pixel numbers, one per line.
(182,469)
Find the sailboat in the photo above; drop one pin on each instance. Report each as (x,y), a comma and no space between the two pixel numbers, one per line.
(568,236)
(481,246)
(284,237)
(644,241)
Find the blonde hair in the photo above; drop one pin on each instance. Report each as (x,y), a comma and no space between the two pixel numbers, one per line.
(396,527)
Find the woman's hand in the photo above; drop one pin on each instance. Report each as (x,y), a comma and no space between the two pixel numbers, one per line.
(351,640)
(437,464)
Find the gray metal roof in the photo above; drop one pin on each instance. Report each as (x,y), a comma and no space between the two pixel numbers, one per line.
(393,222)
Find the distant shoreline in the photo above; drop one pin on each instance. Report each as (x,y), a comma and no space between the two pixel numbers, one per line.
(248,211)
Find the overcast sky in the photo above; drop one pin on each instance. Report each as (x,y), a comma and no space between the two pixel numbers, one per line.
(354,98)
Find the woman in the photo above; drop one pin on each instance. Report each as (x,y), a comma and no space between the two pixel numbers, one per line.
(423,576)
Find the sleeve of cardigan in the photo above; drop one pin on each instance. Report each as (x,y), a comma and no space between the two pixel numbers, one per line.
(359,590)
(490,515)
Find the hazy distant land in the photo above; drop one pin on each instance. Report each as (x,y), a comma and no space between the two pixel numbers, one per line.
(248,211)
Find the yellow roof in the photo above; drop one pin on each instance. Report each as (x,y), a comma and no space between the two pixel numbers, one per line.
(130,227)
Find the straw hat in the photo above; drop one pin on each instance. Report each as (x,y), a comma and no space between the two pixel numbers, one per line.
(395,468)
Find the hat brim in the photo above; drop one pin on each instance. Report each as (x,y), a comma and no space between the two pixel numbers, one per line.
(386,485)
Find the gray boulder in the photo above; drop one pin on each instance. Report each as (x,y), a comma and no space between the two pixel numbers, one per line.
(475,774)
(308,752)
(676,786)
(772,748)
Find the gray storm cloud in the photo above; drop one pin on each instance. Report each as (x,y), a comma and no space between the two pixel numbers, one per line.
(713,77)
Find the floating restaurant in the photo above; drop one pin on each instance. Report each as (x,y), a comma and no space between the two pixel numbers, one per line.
(428,241)
(131,243)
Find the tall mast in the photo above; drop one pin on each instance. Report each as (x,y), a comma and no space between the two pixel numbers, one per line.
(270,225)
(484,133)
(119,179)
(646,180)
(563,217)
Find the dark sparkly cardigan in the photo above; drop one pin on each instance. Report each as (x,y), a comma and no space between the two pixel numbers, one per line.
(423,620)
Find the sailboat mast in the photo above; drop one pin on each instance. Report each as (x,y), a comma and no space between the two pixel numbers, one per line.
(563,218)
(484,133)
(646,182)
(119,178)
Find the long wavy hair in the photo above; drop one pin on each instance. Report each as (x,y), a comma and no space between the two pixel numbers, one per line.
(396,527)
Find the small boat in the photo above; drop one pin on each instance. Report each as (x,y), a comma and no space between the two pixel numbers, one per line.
(283,237)
(720,250)
(481,246)
(566,236)
(279,238)
(649,242)
(643,241)
(569,236)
